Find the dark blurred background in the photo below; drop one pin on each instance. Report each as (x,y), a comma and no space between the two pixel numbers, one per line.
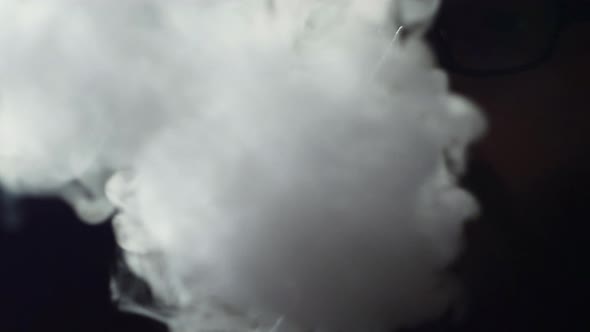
(54,272)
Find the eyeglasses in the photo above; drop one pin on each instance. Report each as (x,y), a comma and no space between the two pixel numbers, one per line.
(496,37)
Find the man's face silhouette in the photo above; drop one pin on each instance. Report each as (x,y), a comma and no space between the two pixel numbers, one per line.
(539,122)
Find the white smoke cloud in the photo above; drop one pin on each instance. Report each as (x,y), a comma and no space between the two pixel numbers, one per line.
(276,165)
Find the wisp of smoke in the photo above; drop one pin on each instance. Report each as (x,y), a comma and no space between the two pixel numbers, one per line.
(272,165)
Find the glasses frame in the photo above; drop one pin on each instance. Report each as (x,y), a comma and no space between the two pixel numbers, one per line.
(564,15)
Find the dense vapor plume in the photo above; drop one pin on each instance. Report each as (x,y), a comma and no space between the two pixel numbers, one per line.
(273,165)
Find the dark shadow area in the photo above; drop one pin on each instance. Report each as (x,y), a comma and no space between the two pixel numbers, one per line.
(54,273)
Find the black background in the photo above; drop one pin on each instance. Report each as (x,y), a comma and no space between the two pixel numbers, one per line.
(54,273)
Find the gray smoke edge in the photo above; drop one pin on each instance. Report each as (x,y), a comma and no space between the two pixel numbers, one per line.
(272,165)
(10,210)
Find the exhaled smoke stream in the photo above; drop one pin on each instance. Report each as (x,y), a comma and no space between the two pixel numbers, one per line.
(274,165)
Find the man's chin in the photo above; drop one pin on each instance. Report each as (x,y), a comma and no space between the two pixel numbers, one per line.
(524,252)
